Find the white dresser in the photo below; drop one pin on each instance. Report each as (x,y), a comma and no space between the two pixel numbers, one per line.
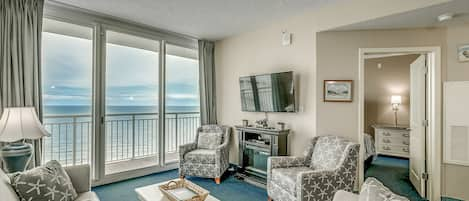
(391,140)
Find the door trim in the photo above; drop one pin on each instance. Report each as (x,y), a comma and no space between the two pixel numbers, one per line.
(433,112)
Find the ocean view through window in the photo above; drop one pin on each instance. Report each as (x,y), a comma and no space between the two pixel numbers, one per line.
(67,67)
(131,98)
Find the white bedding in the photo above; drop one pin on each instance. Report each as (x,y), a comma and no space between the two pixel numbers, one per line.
(369,143)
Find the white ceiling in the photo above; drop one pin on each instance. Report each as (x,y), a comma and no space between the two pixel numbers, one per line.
(207,19)
(420,18)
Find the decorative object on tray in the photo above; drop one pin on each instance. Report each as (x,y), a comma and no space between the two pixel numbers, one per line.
(245,122)
(463,53)
(183,190)
(262,123)
(338,90)
(281,126)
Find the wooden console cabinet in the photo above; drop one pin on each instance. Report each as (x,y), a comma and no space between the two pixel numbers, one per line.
(255,146)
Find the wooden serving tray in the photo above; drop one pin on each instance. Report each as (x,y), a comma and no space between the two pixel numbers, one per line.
(183,190)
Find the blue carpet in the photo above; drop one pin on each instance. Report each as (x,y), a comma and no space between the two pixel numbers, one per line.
(230,189)
(394,173)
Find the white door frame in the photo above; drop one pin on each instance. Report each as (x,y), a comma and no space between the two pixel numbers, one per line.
(433,115)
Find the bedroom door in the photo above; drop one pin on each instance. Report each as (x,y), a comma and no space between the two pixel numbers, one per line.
(418,124)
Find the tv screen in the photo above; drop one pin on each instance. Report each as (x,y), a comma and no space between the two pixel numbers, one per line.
(268,93)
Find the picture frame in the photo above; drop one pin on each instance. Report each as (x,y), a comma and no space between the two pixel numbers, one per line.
(463,53)
(338,90)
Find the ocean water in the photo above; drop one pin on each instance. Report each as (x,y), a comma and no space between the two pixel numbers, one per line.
(126,126)
(86,109)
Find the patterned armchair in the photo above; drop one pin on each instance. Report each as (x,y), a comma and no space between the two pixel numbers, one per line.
(329,164)
(205,162)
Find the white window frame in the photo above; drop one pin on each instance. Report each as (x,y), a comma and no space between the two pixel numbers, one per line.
(100,24)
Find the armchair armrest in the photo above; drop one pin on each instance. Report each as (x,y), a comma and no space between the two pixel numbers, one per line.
(224,145)
(222,152)
(80,176)
(183,149)
(285,162)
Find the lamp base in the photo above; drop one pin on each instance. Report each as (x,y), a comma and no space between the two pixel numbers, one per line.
(16,156)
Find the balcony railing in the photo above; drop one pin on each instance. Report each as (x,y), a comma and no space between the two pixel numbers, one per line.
(128,136)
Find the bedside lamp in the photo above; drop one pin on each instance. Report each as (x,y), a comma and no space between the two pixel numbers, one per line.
(395,102)
(16,125)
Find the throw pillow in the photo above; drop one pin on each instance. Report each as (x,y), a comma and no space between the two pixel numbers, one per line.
(374,190)
(46,183)
(209,140)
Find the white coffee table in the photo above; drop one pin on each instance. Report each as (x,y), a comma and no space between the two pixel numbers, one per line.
(153,193)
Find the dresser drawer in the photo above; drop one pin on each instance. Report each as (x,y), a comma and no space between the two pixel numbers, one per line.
(394,150)
(394,140)
(393,133)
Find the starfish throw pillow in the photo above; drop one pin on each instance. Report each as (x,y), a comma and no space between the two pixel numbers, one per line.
(45,183)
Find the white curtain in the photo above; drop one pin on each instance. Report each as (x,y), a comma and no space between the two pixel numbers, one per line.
(20,65)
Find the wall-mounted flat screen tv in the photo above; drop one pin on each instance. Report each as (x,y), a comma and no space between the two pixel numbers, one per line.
(268,93)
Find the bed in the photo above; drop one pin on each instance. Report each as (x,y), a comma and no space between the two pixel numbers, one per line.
(370,151)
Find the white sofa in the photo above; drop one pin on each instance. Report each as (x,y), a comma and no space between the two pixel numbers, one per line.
(345,196)
(80,176)
(372,189)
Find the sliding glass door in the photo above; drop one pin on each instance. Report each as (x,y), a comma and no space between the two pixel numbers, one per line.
(67,68)
(132,90)
(182,117)
(120,100)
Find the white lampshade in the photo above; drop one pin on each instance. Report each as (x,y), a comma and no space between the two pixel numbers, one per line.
(19,123)
(396,100)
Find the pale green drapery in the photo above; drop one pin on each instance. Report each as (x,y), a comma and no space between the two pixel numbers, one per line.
(207,82)
(20,66)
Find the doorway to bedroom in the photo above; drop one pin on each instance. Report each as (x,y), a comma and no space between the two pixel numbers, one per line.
(391,81)
(395,109)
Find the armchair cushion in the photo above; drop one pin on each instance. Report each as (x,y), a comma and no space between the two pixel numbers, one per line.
(286,177)
(204,156)
(209,140)
(328,152)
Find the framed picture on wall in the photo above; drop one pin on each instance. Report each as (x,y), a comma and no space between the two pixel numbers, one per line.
(338,90)
(463,53)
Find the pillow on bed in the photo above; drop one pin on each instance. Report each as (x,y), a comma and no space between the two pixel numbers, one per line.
(374,190)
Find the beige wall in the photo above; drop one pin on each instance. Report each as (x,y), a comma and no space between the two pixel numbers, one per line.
(260,51)
(346,44)
(393,78)
(313,58)
(456,177)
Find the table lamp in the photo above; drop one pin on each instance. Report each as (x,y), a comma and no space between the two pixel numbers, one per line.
(395,102)
(16,125)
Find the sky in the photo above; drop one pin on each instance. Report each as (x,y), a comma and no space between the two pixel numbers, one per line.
(131,74)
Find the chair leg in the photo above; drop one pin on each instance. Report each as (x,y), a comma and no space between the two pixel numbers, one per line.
(217,180)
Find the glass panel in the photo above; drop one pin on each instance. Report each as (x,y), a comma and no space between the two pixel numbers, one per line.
(131,102)
(182,99)
(67,67)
